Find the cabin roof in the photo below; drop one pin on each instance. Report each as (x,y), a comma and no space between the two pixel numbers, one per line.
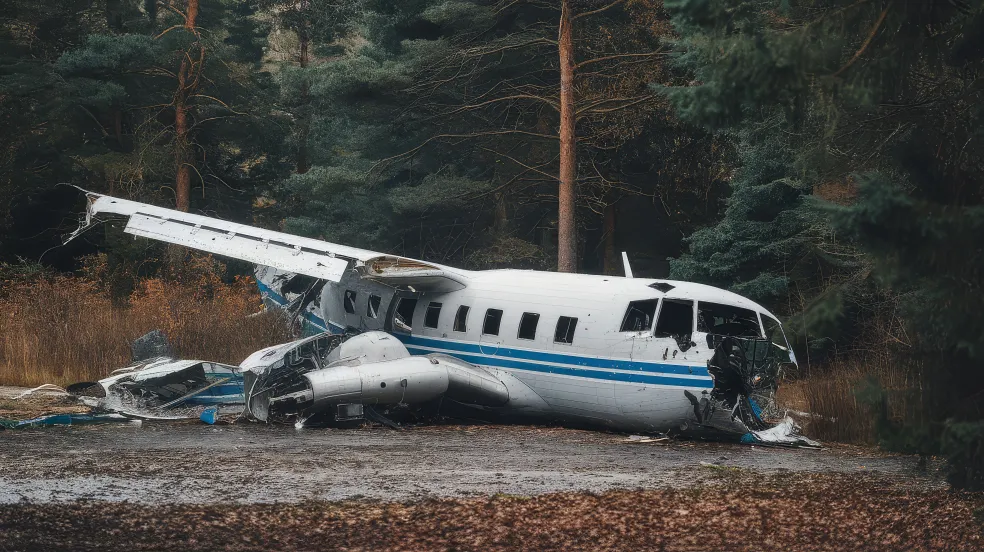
(624,288)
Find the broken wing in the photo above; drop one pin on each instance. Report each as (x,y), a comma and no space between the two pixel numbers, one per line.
(324,260)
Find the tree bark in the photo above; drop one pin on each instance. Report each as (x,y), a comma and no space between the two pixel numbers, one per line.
(304,121)
(567,193)
(611,264)
(182,145)
(182,180)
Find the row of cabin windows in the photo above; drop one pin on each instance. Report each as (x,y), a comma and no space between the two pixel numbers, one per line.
(564,332)
(677,318)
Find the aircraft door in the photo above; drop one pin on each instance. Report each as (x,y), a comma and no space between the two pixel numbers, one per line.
(673,333)
(635,330)
(490,339)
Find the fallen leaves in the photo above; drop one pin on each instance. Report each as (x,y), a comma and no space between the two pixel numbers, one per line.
(748,512)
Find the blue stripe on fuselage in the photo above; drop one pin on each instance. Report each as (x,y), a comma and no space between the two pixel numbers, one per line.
(585,367)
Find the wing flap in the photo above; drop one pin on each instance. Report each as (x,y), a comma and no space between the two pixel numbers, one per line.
(248,247)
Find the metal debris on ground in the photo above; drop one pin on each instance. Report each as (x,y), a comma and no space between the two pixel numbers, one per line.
(645,439)
(65,419)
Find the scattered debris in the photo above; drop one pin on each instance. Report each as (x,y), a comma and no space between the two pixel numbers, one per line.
(210,415)
(165,389)
(65,419)
(645,439)
(48,388)
(786,432)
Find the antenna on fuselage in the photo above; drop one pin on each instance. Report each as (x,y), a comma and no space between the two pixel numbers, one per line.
(625,265)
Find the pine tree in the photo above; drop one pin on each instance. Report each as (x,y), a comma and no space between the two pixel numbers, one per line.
(873,110)
(464,98)
(182,99)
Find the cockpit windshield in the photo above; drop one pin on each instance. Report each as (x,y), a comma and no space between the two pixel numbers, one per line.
(728,320)
(639,316)
(773,332)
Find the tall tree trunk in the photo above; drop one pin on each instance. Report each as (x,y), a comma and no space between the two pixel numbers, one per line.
(182,145)
(182,149)
(611,264)
(304,121)
(567,199)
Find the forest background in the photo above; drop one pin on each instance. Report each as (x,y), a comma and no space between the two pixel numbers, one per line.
(822,157)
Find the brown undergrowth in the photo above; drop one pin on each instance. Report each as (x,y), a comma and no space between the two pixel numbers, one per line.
(63,329)
(838,402)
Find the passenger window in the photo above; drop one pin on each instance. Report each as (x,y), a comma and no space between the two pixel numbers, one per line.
(675,318)
(639,316)
(727,320)
(493,317)
(433,315)
(350,301)
(403,320)
(527,325)
(372,307)
(461,319)
(565,329)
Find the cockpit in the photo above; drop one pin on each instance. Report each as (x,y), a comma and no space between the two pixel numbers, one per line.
(681,318)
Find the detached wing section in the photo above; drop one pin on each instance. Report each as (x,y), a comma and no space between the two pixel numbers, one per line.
(286,252)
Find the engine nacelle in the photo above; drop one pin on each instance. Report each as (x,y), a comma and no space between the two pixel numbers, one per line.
(407,380)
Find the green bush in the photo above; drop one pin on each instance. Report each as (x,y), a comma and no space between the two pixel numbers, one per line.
(963,445)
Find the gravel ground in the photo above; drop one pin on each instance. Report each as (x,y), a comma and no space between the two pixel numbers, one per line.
(189,462)
(188,486)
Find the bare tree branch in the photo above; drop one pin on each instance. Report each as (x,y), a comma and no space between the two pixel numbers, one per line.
(617,56)
(599,10)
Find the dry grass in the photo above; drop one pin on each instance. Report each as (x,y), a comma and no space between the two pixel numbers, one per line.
(834,396)
(65,329)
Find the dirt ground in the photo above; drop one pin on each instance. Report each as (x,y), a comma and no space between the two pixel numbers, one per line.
(246,486)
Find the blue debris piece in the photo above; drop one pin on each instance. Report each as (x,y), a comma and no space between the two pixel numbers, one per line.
(209,415)
(756,409)
(749,438)
(63,419)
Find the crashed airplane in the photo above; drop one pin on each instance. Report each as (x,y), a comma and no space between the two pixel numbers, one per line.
(631,354)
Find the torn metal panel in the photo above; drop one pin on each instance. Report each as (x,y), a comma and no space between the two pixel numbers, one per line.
(746,373)
(64,419)
(156,388)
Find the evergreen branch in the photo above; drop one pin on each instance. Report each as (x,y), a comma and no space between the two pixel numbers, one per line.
(599,10)
(866,43)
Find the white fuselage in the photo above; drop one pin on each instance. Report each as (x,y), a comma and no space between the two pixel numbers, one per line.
(625,379)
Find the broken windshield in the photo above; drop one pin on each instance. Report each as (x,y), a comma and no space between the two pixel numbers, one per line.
(729,320)
(774,333)
(639,316)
